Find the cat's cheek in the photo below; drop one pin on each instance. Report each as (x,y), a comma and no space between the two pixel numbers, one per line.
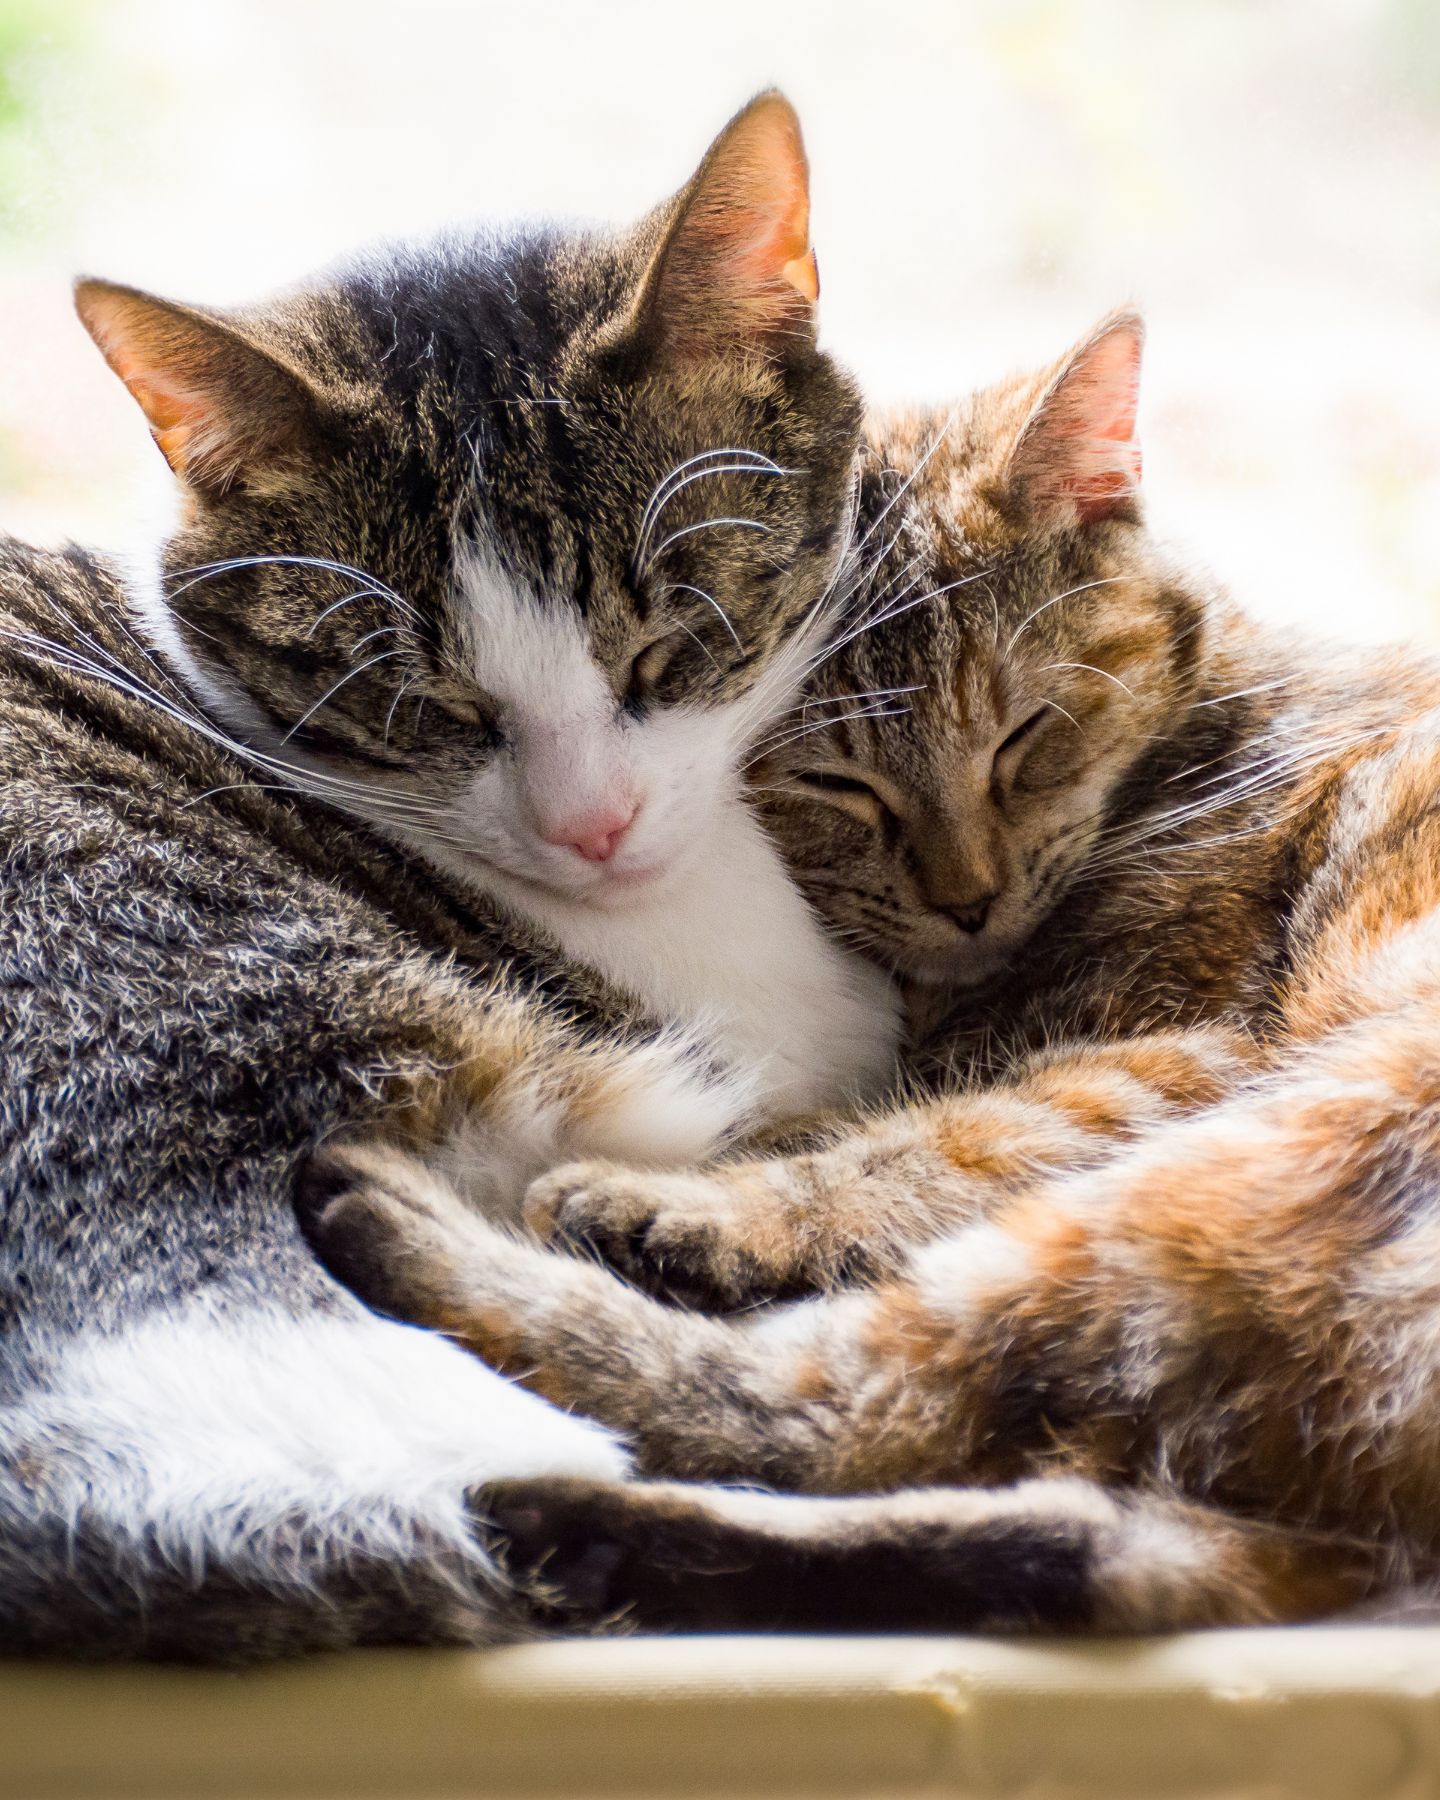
(685,761)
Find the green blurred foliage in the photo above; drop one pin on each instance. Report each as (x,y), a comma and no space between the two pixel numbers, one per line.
(39,41)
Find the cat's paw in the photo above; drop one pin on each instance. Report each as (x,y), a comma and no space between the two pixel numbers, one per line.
(672,1556)
(554,1539)
(384,1226)
(688,1237)
(606,1555)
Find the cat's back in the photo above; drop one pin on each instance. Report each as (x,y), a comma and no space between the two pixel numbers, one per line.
(194,980)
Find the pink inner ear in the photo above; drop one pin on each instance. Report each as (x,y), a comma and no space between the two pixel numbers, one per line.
(770,223)
(739,266)
(180,414)
(1085,445)
(176,416)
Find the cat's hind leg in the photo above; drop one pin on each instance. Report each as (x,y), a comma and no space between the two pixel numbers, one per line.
(1057,1554)
(230,1482)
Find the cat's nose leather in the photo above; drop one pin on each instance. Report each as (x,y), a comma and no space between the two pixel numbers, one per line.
(972,917)
(600,846)
(599,835)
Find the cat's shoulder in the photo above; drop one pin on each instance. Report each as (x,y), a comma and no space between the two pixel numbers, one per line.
(66,583)
(78,687)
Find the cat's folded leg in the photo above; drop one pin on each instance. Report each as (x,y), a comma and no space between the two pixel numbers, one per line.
(1057,1554)
(763,1228)
(397,1233)
(233,1478)
(1244,1301)
(514,1088)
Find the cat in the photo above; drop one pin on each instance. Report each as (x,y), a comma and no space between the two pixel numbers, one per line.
(403,786)
(1129,1320)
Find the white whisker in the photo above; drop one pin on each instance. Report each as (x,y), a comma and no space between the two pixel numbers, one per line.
(1090,669)
(379,631)
(1055,704)
(208,571)
(908,483)
(400,693)
(772,746)
(330,692)
(684,587)
(700,643)
(1055,599)
(344,600)
(685,531)
(668,489)
(350,795)
(810,703)
(1261,687)
(868,625)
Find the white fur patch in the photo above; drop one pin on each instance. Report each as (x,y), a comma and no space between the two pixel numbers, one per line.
(668,1110)
(958,1276)
(531,658)
(729,948)
(1152,1566)
(665,1106)
(199,1431)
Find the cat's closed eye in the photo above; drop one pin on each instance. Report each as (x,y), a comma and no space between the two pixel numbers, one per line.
(647,668)
(463,711)
(851,793)
(1020,734)
(1045,752)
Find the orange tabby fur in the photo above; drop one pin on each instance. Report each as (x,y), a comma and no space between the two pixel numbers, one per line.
(1167,1225)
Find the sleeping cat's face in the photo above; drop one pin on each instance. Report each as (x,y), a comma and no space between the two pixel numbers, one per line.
(512,545)
(1016,646)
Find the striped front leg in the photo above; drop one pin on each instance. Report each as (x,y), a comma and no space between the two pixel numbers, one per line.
(762,1228)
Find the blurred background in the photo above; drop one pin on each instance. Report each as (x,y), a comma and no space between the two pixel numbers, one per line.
(1262,176)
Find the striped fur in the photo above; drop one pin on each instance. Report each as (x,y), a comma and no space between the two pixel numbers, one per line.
(1131,1317)
(403,789)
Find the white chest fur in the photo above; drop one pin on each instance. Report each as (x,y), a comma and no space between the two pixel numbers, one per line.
(725,945)
(729,946)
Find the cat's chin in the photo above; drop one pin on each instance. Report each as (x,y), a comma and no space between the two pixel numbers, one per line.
(610,890)
(958,970)
(620,889)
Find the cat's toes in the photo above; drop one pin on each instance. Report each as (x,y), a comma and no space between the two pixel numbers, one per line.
(381,1223)
(643,1555)
(557,1540)
(609,1554)
(669,1233)
(598,1208)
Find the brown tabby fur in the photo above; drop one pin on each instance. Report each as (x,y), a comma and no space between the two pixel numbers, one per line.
(244,904)
(1162,1248)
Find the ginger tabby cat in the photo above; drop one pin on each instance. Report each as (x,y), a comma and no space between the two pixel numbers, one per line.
(1129,1319)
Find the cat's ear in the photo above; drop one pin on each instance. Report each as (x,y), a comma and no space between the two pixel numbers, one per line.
(218,404)
(1077,456)
(734,266)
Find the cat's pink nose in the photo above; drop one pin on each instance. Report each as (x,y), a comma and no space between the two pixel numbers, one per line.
(598,835)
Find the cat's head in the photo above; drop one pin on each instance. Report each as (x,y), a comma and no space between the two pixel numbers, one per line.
(513,544)
(1014,646)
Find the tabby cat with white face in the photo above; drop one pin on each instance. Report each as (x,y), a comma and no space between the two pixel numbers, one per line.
(515,547)
(404,790)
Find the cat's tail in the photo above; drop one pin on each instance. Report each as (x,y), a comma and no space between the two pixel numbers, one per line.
(1054,1554)
(228,1486)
